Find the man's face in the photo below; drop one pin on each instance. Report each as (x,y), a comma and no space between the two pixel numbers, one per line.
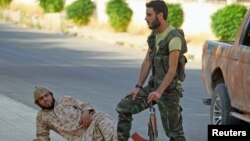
(152,19)
(46,101)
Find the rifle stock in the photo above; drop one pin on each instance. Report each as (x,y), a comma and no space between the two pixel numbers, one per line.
(152,128)
(137,137)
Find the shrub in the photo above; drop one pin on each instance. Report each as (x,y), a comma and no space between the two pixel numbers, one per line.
(226,21)
(4,3)
(50,6)
(80,11)
(119,15)
(175,15)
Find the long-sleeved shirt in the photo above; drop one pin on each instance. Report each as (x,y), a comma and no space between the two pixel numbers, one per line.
(65,120)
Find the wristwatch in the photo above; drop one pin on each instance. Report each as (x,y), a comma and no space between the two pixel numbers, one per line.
(138,86)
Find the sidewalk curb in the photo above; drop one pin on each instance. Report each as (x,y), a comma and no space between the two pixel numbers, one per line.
(138,42)
(17,121)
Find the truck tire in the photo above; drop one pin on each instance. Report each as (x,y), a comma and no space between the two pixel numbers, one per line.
(221,107)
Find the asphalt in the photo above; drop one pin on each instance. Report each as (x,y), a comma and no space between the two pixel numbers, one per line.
(17,121)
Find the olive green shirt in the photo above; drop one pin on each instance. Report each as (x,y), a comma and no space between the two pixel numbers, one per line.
(174,44)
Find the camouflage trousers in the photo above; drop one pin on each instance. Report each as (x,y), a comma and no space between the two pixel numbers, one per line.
(168,105)
(102,128)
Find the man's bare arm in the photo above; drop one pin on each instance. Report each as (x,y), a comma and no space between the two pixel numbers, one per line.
(145,69)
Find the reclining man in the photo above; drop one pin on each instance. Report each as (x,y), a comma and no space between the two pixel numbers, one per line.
(73,119)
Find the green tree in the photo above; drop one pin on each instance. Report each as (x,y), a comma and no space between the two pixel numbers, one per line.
(175,15)
(226,21)
(80,11)
(4,3)
(50,6)
(119,14)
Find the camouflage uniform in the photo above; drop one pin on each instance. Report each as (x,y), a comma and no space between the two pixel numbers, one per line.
(65,120)
(168,104)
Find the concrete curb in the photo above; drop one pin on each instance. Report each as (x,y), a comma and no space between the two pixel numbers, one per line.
(17,121)
(131,41)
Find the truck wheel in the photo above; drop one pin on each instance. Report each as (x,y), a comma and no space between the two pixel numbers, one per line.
(221,107)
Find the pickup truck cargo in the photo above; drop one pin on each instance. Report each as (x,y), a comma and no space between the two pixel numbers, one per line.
(226,77)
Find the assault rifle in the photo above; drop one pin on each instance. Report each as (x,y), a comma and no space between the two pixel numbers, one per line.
(152,128)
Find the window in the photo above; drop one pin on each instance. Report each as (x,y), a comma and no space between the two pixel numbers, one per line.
(246,40)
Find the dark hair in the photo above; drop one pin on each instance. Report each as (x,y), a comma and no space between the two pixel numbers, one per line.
(158,6)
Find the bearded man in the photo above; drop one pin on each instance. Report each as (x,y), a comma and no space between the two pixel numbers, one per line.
(71,118)
(164,88)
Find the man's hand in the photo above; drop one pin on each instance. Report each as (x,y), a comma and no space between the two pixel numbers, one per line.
(86,119)
(153,96)
(133,93)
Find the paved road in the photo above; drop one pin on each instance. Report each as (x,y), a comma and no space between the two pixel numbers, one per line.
(97,72)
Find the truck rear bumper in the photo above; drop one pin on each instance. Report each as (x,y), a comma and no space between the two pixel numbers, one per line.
(243,117)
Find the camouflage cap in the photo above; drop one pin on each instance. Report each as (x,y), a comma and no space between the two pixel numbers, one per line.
(38,90)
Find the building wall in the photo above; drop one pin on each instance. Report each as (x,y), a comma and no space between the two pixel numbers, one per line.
(197,13)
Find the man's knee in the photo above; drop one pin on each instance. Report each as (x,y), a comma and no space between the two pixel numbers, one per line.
(123,107)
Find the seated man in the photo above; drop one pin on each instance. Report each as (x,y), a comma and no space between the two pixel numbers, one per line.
(71,118)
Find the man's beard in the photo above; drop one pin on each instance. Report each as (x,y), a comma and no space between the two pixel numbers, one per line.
(49,107)
(156,23)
